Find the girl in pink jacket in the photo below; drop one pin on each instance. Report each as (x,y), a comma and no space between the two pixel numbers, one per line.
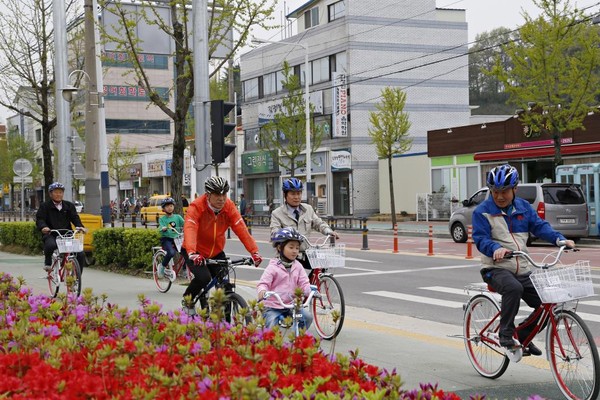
(283,275)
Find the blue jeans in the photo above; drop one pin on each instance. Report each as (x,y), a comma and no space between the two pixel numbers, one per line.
(168,245)
(272,316)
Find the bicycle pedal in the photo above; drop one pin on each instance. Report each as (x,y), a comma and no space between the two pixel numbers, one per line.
(514,354)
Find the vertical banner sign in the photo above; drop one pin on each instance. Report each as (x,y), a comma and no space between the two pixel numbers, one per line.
(340,106)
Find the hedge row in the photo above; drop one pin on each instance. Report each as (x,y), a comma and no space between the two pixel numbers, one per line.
(22,234)
(123,247)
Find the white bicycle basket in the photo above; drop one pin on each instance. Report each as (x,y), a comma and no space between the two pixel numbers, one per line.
(327,257)
(72,244)
(564,283)
(179,242)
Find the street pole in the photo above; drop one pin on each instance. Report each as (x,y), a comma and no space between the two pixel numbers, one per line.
(307,114)
(92,133)
(63,116)
(201,95)
(102,145)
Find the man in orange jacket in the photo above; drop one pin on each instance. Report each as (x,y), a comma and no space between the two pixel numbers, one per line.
(207,219)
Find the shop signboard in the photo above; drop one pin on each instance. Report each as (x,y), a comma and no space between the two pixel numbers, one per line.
(341,160)
(259,162)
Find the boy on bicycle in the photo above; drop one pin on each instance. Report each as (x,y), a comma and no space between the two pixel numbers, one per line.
(301,216)
(57,213)
(283,275)
(501,224)
(169,225)
(206,221)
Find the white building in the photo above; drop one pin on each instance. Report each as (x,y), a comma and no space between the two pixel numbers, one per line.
(356,48)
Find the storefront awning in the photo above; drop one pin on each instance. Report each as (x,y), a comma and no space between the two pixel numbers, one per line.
(537,152)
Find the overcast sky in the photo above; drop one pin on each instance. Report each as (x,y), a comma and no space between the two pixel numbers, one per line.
(482,15)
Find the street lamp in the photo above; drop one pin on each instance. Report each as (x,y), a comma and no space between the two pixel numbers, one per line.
(306,100)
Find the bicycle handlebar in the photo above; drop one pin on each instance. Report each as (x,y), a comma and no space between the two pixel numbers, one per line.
(314,292)
(519,253)
(229,262)
(67,232)
(318,242)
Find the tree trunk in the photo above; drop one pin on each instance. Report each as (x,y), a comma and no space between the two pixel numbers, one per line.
(392,199)
(47,157)
(557,154)
(177,163)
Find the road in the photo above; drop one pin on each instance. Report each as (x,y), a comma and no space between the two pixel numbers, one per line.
(404,310)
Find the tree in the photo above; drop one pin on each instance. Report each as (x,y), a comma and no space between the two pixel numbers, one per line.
(389,132)
(286,132)
(554,78)
(225,16)
(12,149)
(26,62)
(485,89)
(119,161)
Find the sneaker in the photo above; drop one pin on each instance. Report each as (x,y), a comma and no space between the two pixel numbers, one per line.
(532,349)
(48,268)
(509,343)
(190,311)
(161,271)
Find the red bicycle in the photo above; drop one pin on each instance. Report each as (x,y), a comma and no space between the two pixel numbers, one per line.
(65,267)
(570,345)
(177,266)
(323,258)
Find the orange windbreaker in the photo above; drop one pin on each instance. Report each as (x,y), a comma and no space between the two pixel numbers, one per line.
(204,232)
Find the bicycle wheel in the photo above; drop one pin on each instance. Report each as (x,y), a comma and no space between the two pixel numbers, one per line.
(233,307)
(71,274)
(332,299)
(53,278)
(162,284)
(573,357)
(480,328)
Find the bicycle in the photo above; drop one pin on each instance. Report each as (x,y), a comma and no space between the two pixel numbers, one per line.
(324,256)
(570,346)
(65,267)
(225,279)
(295,307)
(173,270)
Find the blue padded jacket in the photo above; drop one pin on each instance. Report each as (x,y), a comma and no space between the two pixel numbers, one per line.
(492,229)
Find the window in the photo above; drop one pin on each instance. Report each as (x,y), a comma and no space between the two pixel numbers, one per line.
(269,84)
(38,135)
(311,18)
(320,70)
(323,122)
(336,10)
(250,88)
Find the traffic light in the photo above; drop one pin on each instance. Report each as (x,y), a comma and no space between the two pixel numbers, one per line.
(219,129)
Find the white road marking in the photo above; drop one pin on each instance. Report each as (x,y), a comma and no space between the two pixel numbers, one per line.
(417,299)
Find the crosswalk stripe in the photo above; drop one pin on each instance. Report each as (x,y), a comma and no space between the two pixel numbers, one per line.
(417,299)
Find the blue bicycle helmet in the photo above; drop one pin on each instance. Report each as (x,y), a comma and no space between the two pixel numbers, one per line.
(284,235)
(503,177)
(166,201)
(292,184)
(56,185)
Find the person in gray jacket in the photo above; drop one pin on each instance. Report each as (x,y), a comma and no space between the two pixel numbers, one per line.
(301,216)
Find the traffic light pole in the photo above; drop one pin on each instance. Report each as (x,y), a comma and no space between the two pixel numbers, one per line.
(201,95)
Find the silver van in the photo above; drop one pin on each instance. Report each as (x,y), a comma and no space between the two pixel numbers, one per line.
(563,205)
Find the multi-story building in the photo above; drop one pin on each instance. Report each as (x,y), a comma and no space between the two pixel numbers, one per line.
(356,48)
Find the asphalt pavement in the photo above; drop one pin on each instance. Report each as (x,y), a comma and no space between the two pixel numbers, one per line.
(419,350)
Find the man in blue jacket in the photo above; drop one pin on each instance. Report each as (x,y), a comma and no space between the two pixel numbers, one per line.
(501,224)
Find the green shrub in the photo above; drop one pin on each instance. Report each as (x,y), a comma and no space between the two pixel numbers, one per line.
(109,246)
(22,234)
(138,247)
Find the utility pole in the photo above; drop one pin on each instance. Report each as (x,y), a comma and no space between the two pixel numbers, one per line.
(63,115)
(92,132)
(201,95)
(233,156)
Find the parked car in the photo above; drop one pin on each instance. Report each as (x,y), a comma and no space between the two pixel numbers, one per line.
(78,206)
(153,211)
(563,205)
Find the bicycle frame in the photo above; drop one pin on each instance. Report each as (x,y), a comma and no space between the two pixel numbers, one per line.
(295,306)
(222,280)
